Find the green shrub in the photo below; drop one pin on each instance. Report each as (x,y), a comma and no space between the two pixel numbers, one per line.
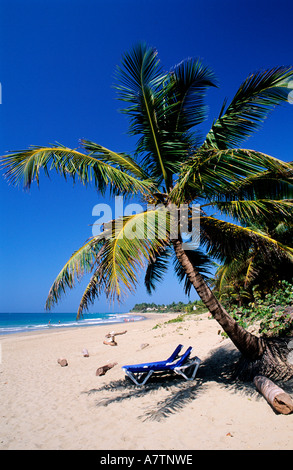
(269,312)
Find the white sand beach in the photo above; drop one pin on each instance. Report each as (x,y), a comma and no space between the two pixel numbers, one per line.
(46,406)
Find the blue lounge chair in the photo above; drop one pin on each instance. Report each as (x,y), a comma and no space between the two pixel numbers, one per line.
(140,373)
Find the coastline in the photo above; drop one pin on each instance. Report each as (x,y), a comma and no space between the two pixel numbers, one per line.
(31,324)
(46,406)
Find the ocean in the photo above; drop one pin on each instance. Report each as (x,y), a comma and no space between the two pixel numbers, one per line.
(28,322)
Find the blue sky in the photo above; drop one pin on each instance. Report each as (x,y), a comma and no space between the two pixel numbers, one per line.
(57,66)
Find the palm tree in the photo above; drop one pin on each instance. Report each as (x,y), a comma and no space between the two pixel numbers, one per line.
(172,165)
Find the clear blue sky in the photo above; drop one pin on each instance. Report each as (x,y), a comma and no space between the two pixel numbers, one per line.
(57,62)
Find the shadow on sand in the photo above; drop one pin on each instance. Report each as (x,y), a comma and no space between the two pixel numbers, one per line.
(219,368)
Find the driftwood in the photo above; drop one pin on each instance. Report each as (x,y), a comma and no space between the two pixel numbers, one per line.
(111,336)
(103,369)
(85,353)
(110,343)
(275,396)
(63,362)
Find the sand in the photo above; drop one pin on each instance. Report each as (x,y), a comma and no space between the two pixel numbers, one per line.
(46,406)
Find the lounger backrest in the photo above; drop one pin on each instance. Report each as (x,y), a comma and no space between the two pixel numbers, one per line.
(175,353)
(184,357)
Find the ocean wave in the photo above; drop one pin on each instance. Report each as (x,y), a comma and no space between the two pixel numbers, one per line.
(102,320)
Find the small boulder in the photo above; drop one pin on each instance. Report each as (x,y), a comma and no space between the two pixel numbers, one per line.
(85,353)
(63,362)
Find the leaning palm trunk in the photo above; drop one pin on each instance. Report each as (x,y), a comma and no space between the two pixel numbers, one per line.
(268,357)
(248,344)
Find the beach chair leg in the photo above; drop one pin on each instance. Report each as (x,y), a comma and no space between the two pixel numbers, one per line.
(136,378)
(183,370)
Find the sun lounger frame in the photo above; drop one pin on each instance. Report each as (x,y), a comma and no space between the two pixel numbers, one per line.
(185,366)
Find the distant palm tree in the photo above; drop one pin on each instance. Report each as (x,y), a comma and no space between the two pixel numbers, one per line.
(173,165)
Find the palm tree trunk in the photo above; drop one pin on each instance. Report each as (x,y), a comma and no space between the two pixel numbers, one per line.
(248,344)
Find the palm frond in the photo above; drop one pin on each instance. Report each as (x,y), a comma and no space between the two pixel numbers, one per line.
(163,108)
(140,67)
(135,240)
(233,278)
(254,100)
(262,210)
(225,241)
(269,184)
(25,166)
(284,231)
(80,263)
(220,278)
(123,161)
(190,81)
(200,261)
(157,268)
(220,173)
(140,80)
(251,271)
(92,291)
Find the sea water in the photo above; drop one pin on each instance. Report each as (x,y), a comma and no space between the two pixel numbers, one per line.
(28,322)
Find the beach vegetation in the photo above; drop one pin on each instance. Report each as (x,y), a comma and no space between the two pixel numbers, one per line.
(173,165)
(250,277)
(272,314)
(196,306)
